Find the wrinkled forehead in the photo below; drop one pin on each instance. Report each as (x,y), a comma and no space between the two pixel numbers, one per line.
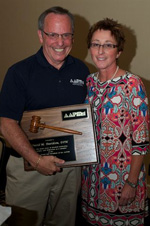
(57,22)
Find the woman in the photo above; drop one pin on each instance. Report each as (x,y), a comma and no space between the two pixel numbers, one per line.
(114,191)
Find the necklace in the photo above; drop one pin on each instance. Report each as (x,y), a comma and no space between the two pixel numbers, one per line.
(101,91)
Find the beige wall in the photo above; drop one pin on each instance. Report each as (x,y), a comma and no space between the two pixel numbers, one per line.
(18,31)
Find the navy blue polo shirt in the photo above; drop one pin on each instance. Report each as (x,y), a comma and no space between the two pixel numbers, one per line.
(33,84)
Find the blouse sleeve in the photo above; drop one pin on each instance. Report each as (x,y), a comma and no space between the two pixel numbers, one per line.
(139,116)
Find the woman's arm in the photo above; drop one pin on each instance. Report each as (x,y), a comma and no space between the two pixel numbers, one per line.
(128,192)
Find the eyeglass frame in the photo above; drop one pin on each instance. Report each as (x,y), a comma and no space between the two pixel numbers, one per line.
(105,46)
(58,35)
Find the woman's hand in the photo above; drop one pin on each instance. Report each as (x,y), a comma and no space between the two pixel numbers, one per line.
(127,195)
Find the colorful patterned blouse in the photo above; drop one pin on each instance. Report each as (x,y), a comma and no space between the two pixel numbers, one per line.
(121,120)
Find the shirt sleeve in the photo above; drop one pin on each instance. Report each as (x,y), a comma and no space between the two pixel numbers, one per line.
(12,96)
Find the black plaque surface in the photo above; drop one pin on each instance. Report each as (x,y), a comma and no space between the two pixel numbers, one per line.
(62,147)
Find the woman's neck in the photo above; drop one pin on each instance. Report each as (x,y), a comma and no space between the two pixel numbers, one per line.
(105,75)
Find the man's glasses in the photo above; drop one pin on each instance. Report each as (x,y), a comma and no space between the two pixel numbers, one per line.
(106,46)
(55,36)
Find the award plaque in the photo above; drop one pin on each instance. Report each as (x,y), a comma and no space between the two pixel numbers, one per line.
(66,132)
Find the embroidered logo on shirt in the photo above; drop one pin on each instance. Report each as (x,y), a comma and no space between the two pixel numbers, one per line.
(77,82)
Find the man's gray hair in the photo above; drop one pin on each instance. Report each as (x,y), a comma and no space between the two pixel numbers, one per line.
(57,10)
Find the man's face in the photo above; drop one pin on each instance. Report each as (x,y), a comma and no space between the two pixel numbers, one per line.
(56,49)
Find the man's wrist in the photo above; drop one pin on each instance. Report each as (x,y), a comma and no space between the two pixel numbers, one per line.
(37,163)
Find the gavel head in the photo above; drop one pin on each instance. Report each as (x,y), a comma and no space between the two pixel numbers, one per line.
(35,123)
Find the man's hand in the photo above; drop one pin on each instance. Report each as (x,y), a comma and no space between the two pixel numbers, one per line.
(48,165)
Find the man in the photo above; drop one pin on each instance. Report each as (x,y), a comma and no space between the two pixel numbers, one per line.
(47,79)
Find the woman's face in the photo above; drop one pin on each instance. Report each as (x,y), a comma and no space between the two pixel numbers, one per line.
(104,57)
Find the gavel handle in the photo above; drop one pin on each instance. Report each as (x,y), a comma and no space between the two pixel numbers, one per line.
(60,129)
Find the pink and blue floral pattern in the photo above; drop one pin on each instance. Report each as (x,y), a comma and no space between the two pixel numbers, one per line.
(121,121)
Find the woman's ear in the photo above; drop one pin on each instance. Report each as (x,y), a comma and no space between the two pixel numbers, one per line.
(118,55)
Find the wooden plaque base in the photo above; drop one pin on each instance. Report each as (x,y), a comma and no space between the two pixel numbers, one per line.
(75,149)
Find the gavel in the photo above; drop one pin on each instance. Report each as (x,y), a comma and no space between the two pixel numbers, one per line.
(35,125)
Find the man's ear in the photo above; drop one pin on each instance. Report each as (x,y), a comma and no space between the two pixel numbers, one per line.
(40,35)
(73,40)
